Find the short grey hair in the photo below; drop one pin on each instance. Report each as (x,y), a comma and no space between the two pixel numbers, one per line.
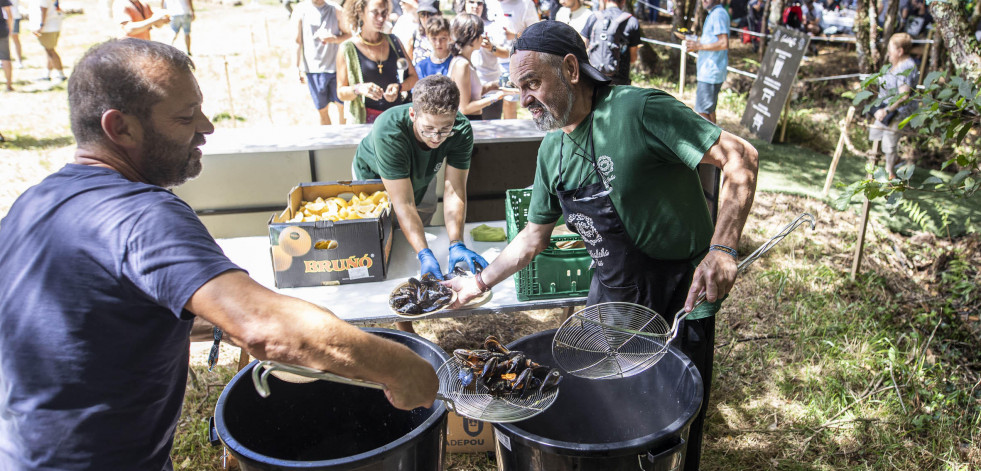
(119,74)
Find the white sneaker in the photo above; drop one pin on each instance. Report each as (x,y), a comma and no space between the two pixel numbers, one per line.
(59,78)
(18,65)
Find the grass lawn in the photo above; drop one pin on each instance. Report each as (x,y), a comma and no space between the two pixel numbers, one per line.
(813,370)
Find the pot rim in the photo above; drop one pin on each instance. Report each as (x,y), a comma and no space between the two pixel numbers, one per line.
(639,444)
(416,434)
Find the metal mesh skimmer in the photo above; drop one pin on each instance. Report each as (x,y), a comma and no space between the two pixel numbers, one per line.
(617,340)
(476,402)
(610,340)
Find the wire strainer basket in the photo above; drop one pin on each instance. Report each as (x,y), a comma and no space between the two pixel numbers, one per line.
(618,339)
(473,401)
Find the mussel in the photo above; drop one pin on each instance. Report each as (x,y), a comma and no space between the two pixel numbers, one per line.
(505,373)
(420,296)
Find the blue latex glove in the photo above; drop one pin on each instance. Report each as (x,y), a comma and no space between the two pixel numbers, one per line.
(429,264)
(460,253)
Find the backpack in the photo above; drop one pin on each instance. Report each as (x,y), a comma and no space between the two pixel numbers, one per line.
(608,43)
(793,17)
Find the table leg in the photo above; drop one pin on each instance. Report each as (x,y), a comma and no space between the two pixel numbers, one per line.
(243,359)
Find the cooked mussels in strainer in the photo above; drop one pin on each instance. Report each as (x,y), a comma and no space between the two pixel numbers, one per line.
(420,296)
(505,373)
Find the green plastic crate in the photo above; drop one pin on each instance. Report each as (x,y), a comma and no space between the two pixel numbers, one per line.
(554,273)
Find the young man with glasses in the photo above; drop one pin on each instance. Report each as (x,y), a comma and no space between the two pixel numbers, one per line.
(406,148)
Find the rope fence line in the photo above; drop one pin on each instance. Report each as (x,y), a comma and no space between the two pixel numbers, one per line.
(835,77)
(750,74)
(842,39)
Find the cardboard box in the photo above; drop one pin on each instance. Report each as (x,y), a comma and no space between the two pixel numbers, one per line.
(468,436)
(351,251)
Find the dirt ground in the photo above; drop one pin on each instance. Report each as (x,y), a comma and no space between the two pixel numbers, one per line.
(244,60)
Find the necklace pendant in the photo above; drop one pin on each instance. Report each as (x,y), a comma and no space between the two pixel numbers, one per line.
(380,67)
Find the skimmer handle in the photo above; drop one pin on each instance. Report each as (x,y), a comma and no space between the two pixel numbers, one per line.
(261,372)
(746,262)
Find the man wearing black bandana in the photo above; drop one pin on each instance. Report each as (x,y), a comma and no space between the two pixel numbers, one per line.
(620,165)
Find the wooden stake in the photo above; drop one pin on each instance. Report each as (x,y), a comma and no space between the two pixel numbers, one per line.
(786,117)
(860,244)
(255,60)
(926,55)
(268,43)
(839,149)
(228,82)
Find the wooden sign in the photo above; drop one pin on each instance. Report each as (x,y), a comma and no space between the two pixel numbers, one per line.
(770,91)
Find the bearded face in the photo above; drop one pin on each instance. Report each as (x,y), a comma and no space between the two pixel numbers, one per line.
(170,162)
(553,110)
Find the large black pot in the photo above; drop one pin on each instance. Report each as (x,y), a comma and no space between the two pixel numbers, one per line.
(329,426)
(640,422)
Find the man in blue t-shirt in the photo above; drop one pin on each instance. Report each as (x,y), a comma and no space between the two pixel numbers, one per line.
(103,270)
(713,58)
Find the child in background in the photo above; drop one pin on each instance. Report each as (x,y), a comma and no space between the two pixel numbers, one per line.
(438,63)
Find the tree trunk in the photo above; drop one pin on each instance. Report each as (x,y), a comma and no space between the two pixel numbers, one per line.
(937,52)
(874,59)
(865,64)
(892,11)
(690,10)
(976,16)
(698,18)
(765,27)
(958,38)
(678,15)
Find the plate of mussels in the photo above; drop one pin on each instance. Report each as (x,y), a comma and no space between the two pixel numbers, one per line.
(420,296)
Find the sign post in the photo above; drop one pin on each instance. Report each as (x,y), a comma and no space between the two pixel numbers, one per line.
(773,83)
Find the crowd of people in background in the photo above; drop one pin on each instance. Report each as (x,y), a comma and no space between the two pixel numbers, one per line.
(829,17)
(366,56)
(134,18)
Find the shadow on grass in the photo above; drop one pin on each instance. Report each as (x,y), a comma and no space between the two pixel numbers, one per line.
(798,171)
(22,142)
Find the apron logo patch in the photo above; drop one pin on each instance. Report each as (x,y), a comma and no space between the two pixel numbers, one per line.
(437,167)
(584,226)
(605,165)
(598,255)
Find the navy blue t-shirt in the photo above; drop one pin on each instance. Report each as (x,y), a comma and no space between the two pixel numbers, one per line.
(95,271)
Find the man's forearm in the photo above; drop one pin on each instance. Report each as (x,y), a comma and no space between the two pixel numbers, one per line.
(454,213)
(738,192)
(411,225)
(518,254)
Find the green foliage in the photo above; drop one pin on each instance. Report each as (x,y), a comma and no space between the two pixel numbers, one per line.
(949,110)
(225,116)
(916,214)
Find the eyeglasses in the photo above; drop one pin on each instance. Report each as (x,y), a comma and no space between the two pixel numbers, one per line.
(437,134)
(213,355)
(476,2)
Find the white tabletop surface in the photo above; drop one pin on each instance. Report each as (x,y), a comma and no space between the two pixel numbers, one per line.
(368,302)
(294,138)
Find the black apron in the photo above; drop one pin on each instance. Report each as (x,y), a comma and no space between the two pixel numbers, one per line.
(622,271)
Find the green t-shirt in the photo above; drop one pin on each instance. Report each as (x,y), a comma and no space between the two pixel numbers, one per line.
(647,144)
(391,151)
